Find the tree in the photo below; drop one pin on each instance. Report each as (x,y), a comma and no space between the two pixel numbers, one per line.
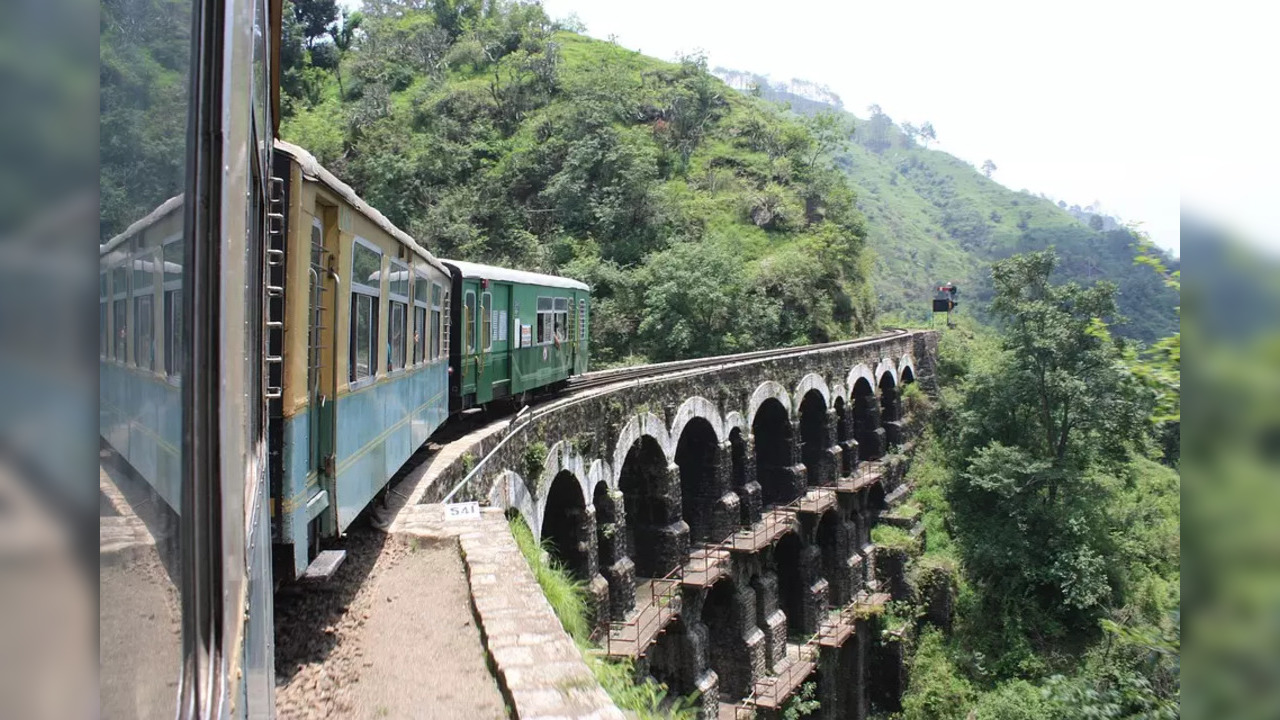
(911,131)
(927,133)
(1040,431)
(874,110)
(988,167)
(1095,223)
(315,16)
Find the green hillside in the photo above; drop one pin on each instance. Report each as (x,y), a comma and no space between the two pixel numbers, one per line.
(706,221)
(933,218)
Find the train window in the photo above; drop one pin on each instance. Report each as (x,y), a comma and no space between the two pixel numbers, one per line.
(144,350)
(172,257)
(486,321)
(469,320)
(366,261)
(120,314)
(562,319)
(104,335)
(421,306)
(582,319)
(397,337)
(546,309)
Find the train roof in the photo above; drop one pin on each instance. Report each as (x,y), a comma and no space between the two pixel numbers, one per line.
(314,171)
(476,270)
(139,225)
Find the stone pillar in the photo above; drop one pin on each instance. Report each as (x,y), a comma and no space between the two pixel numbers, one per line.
(708,687)
(753,665)
(829,681)
(750,494)
(601,608)
(836,564)
(814,602)
(621,577)
(797,475)
(867,430)
(858,696)
(588,542)
(849,456)
(671,536)
(770,618)
(726,509)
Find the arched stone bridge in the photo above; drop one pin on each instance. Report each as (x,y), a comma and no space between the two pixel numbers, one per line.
(721,517)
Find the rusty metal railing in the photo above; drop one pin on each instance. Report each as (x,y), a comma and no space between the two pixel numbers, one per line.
(656,605)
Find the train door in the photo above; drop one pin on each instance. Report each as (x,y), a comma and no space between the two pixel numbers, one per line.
(322,376)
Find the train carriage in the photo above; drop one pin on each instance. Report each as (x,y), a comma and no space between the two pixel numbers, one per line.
(365,344)
(518,333)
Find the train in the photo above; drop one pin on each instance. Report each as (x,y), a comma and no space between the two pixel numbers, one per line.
(272,349)
(367,353)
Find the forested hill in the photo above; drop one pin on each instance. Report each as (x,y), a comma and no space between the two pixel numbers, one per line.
(933,218)
(705,220)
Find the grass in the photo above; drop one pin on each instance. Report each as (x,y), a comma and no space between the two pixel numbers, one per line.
(888,536)
(646,699)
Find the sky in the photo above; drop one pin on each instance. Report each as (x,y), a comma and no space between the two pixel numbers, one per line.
(1125,103)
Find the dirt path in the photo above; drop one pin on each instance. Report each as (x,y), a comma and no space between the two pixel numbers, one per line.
(394,639)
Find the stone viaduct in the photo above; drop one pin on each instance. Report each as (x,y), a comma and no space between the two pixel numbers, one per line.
(721,517)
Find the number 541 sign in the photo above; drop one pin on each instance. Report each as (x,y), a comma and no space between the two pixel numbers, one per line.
(461,511)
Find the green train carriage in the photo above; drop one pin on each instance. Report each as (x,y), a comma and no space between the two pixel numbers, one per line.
(516,333)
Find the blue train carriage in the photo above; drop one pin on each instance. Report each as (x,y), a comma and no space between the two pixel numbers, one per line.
(365,359)
(520,332)
(139,347)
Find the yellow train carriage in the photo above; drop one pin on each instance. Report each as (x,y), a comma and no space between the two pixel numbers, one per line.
(363,348)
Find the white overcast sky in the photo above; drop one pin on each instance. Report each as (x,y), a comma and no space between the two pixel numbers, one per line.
(1141,106)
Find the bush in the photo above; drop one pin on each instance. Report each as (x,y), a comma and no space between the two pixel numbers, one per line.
(936,690)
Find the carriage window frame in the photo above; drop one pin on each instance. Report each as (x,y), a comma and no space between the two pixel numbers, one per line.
(171,312)
(560,326)
(401,302)
(469,309)
(142,283)
(582,319)
(362,288)
(545,324)
(104,301)
(486,321)
(120,313)
(422,287)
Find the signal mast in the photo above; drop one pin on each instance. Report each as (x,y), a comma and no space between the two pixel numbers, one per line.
(944,300)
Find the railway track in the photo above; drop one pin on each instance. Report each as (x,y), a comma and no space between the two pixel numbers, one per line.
(600,378)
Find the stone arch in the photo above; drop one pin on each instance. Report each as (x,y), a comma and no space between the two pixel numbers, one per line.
(775,461)
(906,364)
(859,371)
(839,390)
(698,407)
(511,492)
(788,554)
(765,391)
(812,381)
(657,537)
(733,419)
(697,457)
(568,527)
(833,548)
(611,549)
(866,418)
(561,457)
(885,366)
(891,408)
(644,424)
(815,440)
